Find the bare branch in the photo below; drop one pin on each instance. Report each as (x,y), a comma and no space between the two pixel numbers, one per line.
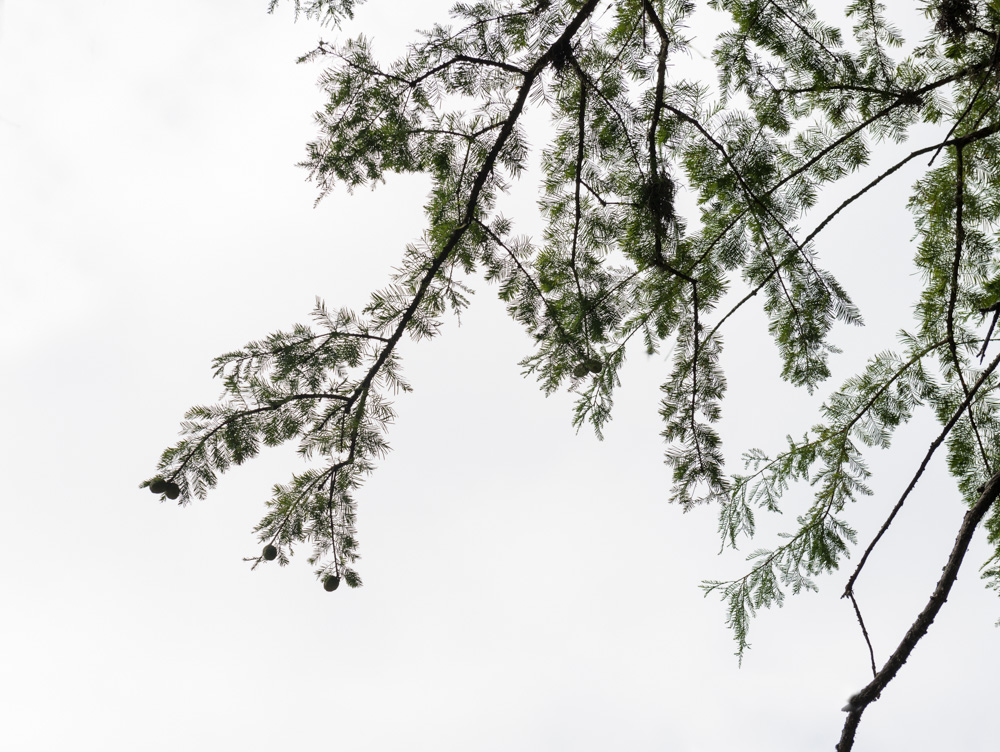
(864,631)
(924,619)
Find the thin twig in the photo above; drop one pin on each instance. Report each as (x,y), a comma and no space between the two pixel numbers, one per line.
(849,588)
(577,182)
(975,136)
(972,101)
(864,631)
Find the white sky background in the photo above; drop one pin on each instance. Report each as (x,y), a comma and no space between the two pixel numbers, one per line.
(526,588)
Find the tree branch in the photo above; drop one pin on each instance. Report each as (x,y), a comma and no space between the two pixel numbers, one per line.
(857,704)
(578,178)
(972,100)
(864,631)
(849,588)
(462,59)
(950,317)
(975,136)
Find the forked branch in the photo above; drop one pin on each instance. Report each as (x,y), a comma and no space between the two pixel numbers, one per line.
(857,704)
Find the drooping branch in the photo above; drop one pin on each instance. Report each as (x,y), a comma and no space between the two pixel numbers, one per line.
(242,414)
(953,296)
(803,30)
(904,100)
(553,313)
(485,170)
(477,186)
(975,136)
(752,198)
(578,178)
(661,198)
(465,188)
(479,183)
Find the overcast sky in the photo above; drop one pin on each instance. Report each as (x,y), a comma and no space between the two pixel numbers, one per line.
(526,588)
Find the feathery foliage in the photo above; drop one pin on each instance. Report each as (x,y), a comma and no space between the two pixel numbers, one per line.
(800,104)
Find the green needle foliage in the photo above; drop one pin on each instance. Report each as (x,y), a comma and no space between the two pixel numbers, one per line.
(799,105)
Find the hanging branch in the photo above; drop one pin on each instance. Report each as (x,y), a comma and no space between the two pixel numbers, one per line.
(660,200)
(977,135)
(383,119)
(578,180)
(477,186)
(950,317)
